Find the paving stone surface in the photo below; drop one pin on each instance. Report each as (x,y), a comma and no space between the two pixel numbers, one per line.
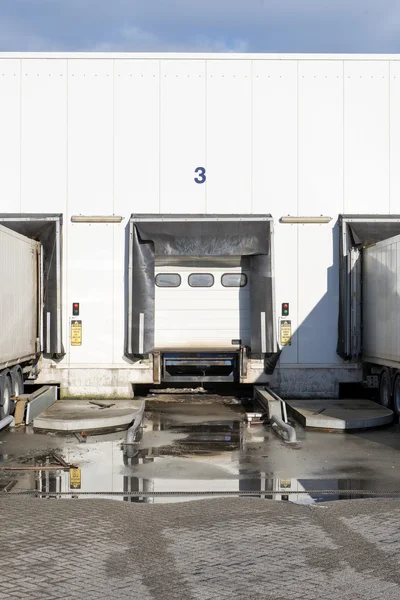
(211,549)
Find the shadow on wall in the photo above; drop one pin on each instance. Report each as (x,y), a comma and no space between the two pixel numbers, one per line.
(315,338)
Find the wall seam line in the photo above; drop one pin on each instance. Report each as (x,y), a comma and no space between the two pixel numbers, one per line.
(20,135)
(159,136)
(297,226)
(66,236)
(206,129)
(390,138)
(343,139)
(113,212)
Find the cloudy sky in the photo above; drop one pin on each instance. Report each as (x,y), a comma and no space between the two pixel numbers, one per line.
(196,26)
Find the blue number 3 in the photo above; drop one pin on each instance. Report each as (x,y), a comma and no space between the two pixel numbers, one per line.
(201,178)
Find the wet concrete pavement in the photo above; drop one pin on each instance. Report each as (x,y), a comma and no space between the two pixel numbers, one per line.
(203,444)
(161,548)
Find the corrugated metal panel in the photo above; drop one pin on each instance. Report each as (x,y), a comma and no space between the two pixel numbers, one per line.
(182,135)
(366,137)
(43,134)
(274,135)
(136,133)
(320,137)
(394,149)
(228,125)
(90,136)
(10,138)
(320,168)
(18,295)
(90,278)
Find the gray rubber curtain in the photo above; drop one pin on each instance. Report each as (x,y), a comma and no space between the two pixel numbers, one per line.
(198,236)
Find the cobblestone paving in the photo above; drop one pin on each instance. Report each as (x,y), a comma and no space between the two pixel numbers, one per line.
(213,549)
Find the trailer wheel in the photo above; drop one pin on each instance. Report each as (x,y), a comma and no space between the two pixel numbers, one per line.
(396,395)
(385,394)
(5,395)
(17,381)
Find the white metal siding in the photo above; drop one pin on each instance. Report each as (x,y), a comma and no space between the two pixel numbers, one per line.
(193,319)
(136,135)
(320,191)
(298,135)
(18,296)
(43,135)
(394,133)
(229,131)
(366,136)
(10,138)
(183,128)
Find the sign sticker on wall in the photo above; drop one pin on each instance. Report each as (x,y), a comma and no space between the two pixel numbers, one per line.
(286,333)
(76,332)
(75,479)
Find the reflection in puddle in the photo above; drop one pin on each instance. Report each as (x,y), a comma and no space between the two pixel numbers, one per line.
(179,452)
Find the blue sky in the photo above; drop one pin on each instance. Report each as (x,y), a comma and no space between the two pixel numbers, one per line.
(206,25)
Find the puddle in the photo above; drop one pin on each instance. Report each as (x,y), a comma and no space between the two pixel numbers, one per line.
(197,448)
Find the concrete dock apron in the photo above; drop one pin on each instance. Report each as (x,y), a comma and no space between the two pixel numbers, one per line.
(87,415)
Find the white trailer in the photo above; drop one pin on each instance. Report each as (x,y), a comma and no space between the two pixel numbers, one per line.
(20,312)
(92,142)
(381,318)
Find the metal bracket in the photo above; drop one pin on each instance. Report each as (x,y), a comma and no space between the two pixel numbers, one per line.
(372,381)
(243,362)
(39,401)
(276,411)
(157,367)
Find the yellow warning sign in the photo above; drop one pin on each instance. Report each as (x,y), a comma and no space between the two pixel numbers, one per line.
(76,333)
(286,333)
(286,484)
(75,479)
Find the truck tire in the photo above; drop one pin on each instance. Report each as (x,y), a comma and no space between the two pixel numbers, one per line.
(17,381)
(5,395)
(396,395)
(385,390)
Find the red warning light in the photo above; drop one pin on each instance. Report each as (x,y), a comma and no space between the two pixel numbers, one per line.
(75,309)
